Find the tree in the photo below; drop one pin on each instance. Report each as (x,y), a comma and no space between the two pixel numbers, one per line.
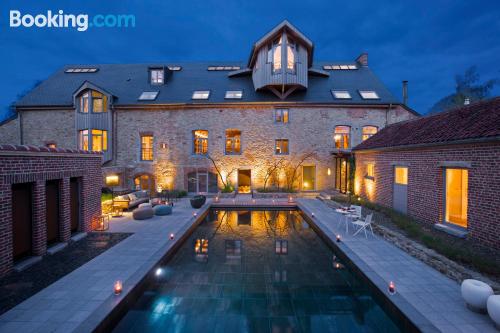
(271,169)
(467,86)
(225,180)
(291,167)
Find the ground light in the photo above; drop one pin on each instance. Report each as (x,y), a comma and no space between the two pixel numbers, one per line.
(117,288)
(392,288)
(171,236)
(195,214)
(159,271)
(312,214)
(338,238)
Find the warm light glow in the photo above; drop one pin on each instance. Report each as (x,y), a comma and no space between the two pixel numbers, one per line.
(171,236)
(159,271)
(216,199)
(329,172)
(401,175)
(112,180)
(457,184)
(195,214)
(392,288)
(338,238)
(117,287)
(368,132)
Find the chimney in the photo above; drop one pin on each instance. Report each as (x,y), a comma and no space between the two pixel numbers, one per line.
(467,101)
(363,59)
(405,92)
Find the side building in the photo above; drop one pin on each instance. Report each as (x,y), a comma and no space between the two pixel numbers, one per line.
(161,125)
(442,170)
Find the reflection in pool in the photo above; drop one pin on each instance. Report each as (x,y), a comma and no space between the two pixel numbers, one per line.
(255,271)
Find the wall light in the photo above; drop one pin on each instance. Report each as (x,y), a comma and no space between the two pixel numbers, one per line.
(112,180)
(329,171)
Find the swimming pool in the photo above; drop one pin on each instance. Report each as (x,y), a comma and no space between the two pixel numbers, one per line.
(256,271)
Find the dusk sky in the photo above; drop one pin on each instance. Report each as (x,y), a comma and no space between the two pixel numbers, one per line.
(424,42)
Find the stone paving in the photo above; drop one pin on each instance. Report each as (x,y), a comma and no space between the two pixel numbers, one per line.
(82,298)
(431,293)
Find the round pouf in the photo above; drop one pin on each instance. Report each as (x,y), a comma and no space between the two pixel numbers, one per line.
(145,204)
(493,306)
(475,294)
(143,213)
(162,210)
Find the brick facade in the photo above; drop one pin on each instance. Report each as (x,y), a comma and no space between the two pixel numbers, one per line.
(425,183)
(29,164)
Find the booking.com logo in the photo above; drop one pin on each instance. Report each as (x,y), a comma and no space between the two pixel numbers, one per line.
(61,20)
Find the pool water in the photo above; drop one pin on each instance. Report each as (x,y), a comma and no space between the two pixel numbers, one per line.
(255,271)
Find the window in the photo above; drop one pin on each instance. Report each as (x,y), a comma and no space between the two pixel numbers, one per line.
(201,246)
(457,184)
(200,142)
(234,94)
(175,68)
(274,55)
(368,94)
(281,116)
(233,142)
(157,76)
(81,70)
(370,170)
(51,145)
(84,103)
(99,140)
(341,94)
(369,131)
(338,67)
(98,102)
(223,68)
(83,139)
(146,147)
(401,175)
(291,49)
(281,246)
(201,94)
(342,137)
(281,147)
(148,96)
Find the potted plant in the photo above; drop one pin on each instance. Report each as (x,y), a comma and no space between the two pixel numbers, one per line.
(197,201)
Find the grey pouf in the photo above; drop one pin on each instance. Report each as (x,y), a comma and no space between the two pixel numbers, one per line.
(143,213)
(162,210)
(145,204)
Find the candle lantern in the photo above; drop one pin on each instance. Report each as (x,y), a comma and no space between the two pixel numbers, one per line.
(118,287)
(392,288)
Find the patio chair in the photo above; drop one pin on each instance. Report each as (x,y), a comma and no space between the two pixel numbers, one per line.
(363,225)
(357,210)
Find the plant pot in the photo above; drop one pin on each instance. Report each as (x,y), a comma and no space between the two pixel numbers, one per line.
(197,201)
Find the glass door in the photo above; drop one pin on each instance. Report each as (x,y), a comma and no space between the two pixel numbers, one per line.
(308,178)
(457,183)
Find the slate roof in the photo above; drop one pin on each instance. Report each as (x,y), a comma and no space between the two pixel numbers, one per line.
(127,81)
(475,121)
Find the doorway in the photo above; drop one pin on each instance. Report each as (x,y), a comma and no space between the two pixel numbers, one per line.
(22,219)
(52,210)
(202,182)
(144,182)
(244,180)
(342,171)
(308,178)
(456,196)
(74,193)
(400,190)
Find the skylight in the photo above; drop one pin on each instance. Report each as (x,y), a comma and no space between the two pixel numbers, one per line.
(148,96)
(340,67)
(174,68)
(368,94)
(341,94)
(201,94)
(81,70)
(223,68)
(234,94)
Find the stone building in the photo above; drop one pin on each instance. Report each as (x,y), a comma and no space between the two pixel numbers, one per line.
(156,124)
(441,169)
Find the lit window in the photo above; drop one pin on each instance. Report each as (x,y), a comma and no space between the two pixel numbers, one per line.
(234,94)
(352,66)
(83,140)
(51,145)
(175,68)
(146,147)
(342,137)
(223,68)
(341,94)
(291,49)
(344,67)
(81,70)
(233,142)
(84,102)
(99,102)
(274,55)
(157,76)
(457,185)
(281,147)
(148,96)
(281,246)
(368,94)
(281,115)
(327,67)
(370,170)
(401,175)
(99,140)
(369,131)
(200,142)
(201,94)
(335,67)
(201,246)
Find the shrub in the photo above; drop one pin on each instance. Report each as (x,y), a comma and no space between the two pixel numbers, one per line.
(228,188)
(275,190)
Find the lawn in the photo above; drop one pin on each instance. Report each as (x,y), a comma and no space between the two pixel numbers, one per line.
(106,196)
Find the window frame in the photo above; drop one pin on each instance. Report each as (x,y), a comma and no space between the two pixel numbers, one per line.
(349,137)
(156,82)
(87,98)
(363,96)
(81,136)
(207,92)
(234,91)
(232,142)
(370,171)
(281,112)
(148,99)
(445,197)
(194,143)
(405,183)
(340,91)
(103,138)
(369,135)
(281,146)
(148,150)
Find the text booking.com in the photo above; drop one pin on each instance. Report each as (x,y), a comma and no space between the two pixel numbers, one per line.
(59,19)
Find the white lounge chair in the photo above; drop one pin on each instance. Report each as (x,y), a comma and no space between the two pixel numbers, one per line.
(363,225)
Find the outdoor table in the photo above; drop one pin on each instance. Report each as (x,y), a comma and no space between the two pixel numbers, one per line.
(346,214)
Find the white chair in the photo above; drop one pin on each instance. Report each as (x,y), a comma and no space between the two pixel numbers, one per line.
(363,225)
(357,210)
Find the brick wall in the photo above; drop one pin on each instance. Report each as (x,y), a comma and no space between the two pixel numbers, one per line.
(29,164)
(425,183)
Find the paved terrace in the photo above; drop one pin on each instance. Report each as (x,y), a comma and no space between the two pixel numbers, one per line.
(82,298)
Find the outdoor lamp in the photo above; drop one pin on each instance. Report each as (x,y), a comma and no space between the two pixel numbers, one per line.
(171,236)
(392,288)
(117,287)
(112,180)
(338,238)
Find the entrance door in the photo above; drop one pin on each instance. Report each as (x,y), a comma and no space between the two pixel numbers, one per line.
(22,219)
(342,171)
(74,193)
(400,191)
(203,183)
(52,210)
(244,181)
(308,178)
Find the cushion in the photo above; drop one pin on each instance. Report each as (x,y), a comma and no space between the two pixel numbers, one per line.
(143,213)
(122,197)
(162,210)
(132,196)
(141,194)
(145,204)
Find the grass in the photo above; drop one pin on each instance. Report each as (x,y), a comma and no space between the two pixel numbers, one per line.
(105,197)
(458,250)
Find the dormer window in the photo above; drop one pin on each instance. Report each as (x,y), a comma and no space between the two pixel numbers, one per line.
(274,55)
(92,101)
(291,49)
(157,76)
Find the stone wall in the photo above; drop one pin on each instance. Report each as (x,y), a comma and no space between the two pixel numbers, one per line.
(55,126)
(29,164)
(9,131)
(425,183)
